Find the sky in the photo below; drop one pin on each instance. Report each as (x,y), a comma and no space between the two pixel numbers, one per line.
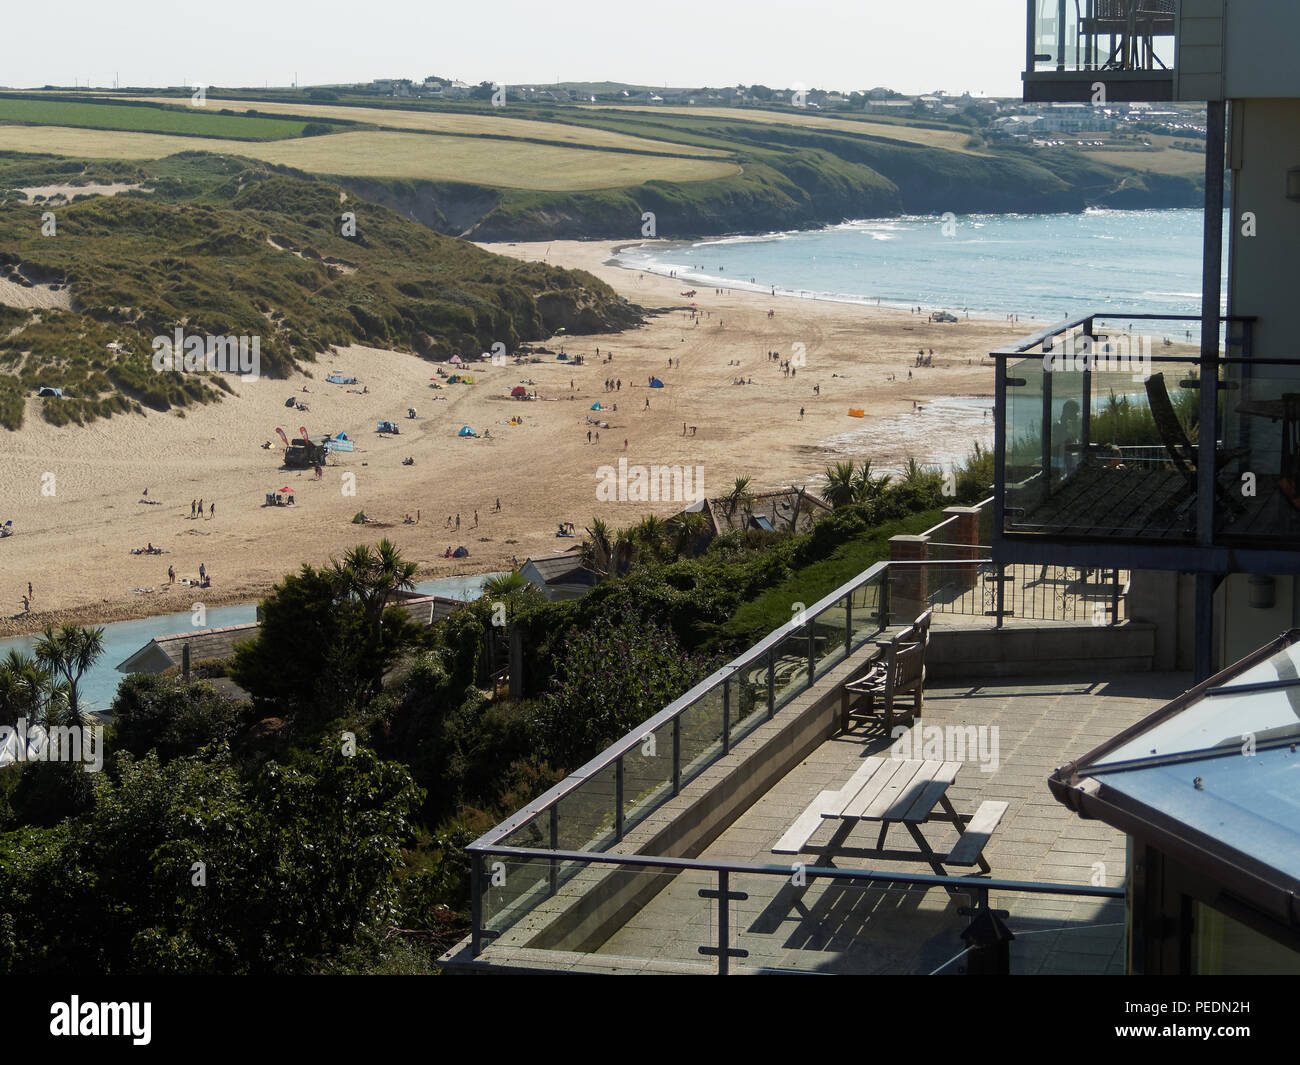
(911,46)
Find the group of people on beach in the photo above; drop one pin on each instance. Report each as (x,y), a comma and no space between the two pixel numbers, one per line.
(197,505)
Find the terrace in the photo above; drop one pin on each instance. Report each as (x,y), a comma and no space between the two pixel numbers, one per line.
(656,856)
(1128,46)
(1100,448)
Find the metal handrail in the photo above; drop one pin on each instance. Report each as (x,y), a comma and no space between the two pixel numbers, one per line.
(637,736)
(611,755)
(810,871)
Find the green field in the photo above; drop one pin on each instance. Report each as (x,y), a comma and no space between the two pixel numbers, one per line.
(375,153)
(191,121)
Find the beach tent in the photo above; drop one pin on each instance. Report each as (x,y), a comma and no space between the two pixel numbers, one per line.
(656,383)
(460,552)
(291,401)
(465,430)
(45,390)
(455,360)
(596,406)
(520,390)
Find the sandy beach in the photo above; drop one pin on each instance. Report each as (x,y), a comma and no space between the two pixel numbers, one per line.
(74,493)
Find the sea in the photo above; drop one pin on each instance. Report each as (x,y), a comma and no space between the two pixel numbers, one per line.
(1043,267)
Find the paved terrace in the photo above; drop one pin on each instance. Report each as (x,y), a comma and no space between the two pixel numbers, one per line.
(832,928)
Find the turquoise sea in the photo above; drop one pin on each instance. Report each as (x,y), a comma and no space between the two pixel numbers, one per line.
(1046,267)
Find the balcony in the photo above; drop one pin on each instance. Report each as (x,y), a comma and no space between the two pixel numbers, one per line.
(1100,444)
(657,856)
(1125,45)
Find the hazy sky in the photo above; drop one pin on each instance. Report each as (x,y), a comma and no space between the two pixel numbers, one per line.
(908,45)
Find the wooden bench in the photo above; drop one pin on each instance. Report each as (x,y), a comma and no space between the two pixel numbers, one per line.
(797,836)
(898,671)
(969,848)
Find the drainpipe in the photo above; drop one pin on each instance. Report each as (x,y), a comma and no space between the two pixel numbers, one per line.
(1208,431)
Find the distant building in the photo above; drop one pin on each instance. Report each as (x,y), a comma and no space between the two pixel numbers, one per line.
(560,576)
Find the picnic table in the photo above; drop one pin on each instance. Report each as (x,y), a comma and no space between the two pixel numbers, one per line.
(893,791)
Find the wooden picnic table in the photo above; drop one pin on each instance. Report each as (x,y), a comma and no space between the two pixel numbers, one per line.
(894,791)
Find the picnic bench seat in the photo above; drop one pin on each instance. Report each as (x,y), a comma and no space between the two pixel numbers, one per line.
(899,670)
(796,837)
(969,848)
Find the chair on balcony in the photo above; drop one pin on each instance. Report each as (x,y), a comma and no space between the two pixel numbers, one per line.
(900,670)
(1182,452)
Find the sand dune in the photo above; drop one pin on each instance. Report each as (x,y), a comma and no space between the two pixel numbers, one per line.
(73,492)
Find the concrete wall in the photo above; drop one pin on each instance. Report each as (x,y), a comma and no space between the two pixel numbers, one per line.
(1247,627)
(1266,267)
(961,654)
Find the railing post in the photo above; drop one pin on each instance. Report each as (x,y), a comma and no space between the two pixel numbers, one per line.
(848,624)
(724,921)
(555,846)
(771,684)
(1002,594)
(726,716)
(812,655)
(476,904)
(677,754)
(618,799)
(1114,597)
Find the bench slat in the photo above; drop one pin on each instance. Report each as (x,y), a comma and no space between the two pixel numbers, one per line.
(856,806)
(806,825)
(971,845)
(929,798)
(901,785)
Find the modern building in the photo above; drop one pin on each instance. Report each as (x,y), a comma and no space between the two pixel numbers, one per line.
(1110,450)
(1204,790)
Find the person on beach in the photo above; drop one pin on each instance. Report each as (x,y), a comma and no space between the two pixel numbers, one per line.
(800,412)
(498,506)
(598,436)
(212,510)
(29,591)
(203,572)
(27,605)
(171,574)
(476,519)
(200,508)
(647,403)
(458,521)
(589,436)
(193,504)
(625,443)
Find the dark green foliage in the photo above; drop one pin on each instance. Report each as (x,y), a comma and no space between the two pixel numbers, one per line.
(297,861)
(171,718)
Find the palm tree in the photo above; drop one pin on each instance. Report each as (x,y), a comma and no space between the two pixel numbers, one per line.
(66,655)
(866,487)
(624,552)
(687,529)
(22,689)
(597,553)
(512,588)
(651,533)
(372,576)
(841,484)
(739,497)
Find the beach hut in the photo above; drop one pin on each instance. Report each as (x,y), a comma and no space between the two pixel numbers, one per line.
(656,383)
(518,392)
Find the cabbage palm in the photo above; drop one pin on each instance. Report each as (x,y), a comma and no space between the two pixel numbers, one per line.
(597,553)
(372,576)
(66,654)
(23,689)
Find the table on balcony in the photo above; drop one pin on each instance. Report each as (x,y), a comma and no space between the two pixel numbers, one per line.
(894,791)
